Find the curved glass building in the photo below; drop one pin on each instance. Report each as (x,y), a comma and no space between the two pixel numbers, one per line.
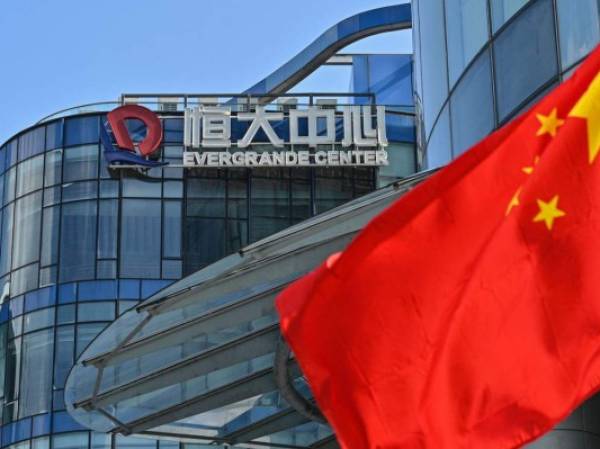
(137,302)
(83,241)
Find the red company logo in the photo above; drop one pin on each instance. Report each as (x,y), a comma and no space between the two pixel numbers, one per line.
(118,146)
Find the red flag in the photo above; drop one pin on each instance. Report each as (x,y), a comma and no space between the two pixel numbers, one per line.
(467,315)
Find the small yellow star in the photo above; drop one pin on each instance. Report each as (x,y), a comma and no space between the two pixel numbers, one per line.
(549,211)
(514,202)
(529,170)
(588,108)
(550,123)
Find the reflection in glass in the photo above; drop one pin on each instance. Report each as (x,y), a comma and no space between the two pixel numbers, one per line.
(27,229)
(81,163)
(107,229)
(502,10)
(433,59)
(140,238)
(579,29)
(439,147)
(53,168)
(172,233)
(467,31)
(78,241)
(471,105)
(30,175)
(529,41)
(50,236)
(36,375)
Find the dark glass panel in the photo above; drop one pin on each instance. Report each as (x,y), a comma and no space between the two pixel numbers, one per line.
(205,242)
(78,241)
(32,143)
(206,197)
(529,41)
(140,239)
(81,130)
(54,135)
(172,229)
(107,229)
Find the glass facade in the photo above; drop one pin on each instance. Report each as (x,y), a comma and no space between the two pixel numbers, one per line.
(80,244)
(502,56)
(478,63)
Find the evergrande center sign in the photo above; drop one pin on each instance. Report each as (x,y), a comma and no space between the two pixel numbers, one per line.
(314,136)
(208,137)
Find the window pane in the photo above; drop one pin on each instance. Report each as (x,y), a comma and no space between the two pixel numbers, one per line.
(433,60)
(141,188)
(28,212)
(9,185)
(172,234)
(32,143)
(471,106)
(140,238)
(54,135)
(86,333)
(205,242)
(467,30)
(578,28)
(24,279)
(65,352)
(81,163)
(53,168)
(96,311)
(529,42)
(270,206)
(74,191)
(72,440)
(36,377)
(39,319)
(81,130)
(330,192)
(439,148)
(502,10)
(107,231)
(30,174)
(7,227)
(78,241)
(50,236)
(206,197)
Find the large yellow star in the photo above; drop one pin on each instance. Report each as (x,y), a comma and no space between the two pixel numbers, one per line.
(549,211)
(549,123)
(588,108)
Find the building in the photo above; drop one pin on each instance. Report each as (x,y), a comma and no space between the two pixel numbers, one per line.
(199,362)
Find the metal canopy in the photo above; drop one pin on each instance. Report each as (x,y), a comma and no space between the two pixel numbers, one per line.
(196,360)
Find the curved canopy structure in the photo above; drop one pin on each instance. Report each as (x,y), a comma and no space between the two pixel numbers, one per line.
(196,360)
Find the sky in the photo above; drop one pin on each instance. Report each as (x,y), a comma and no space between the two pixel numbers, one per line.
(58,54)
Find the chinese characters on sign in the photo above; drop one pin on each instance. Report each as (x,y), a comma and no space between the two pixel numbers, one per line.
(210,127)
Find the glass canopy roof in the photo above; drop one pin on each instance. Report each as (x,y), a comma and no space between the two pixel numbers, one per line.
(195,361)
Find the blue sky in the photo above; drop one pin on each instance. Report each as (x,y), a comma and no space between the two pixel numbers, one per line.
(62,53)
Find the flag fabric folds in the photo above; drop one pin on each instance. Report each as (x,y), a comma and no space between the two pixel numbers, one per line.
(467,315)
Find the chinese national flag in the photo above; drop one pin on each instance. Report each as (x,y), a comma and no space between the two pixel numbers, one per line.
(467,315)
